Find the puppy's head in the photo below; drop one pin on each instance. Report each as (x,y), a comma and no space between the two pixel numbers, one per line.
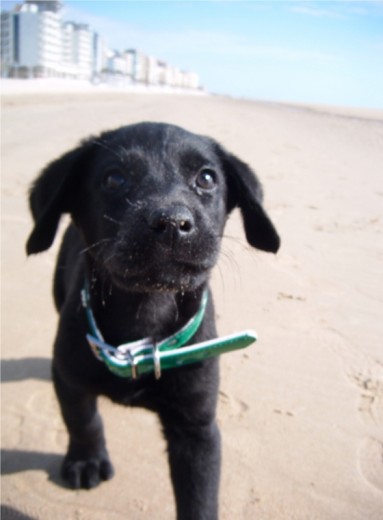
(151,201)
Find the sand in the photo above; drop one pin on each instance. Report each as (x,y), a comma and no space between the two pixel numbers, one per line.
(301,412)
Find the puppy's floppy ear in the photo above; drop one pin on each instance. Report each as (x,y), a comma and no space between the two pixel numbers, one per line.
(52,194)
(245,192)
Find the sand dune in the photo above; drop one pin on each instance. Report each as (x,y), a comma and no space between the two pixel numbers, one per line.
(301,413)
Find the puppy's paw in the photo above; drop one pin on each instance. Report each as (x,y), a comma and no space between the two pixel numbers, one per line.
(86,474)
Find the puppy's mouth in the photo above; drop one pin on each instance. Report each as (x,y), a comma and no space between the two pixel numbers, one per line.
(175,277)
(159,271)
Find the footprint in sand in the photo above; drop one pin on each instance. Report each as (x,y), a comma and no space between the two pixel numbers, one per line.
(235,407)
(370,461)
(366,373)
(371,398)
(370,455)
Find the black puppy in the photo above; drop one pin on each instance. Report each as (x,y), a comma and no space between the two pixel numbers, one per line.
(148,204)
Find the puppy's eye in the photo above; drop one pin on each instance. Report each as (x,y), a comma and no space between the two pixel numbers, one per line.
(206,179)
(114,180)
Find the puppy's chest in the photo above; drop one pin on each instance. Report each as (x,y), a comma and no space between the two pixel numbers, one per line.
(123,323)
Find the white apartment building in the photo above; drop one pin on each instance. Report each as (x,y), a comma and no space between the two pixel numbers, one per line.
(7,44)
(151,71)
(31,42)
(77,50)
(192,80)
(121,64)
(170,75)
(139,65)
(35,42)
(100,55)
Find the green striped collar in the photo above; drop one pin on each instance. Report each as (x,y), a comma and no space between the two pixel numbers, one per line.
(135,358)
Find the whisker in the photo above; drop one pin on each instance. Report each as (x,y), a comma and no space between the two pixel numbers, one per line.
(96,244)
(228,257)
(138,204)
(109,258)
(237,240)
(222,279)
(107,217)
(103,145)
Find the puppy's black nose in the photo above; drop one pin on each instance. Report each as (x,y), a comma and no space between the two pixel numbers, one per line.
(174,221)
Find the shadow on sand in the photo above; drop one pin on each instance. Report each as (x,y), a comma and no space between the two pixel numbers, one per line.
(17,461)
(15,370)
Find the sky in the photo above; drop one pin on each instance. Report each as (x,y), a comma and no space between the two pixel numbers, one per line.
(326,52)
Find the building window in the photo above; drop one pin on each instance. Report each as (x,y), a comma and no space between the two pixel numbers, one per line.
(16,41)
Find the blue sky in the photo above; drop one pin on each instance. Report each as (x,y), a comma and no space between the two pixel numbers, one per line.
(299,51)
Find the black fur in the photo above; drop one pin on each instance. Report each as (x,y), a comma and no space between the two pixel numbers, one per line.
(148,204)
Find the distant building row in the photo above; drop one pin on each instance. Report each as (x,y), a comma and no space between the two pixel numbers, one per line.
(37,43)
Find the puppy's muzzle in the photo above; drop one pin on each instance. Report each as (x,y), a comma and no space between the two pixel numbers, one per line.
(173,223)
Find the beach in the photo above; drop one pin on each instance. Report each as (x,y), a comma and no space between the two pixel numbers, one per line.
(301,411)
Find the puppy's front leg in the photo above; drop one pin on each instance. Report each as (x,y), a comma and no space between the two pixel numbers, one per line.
(187,412)
(87,462)
(194,457)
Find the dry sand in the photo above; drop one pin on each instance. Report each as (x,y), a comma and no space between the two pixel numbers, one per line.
(301,413)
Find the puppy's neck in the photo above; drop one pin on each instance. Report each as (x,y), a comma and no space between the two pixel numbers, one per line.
(124,316)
